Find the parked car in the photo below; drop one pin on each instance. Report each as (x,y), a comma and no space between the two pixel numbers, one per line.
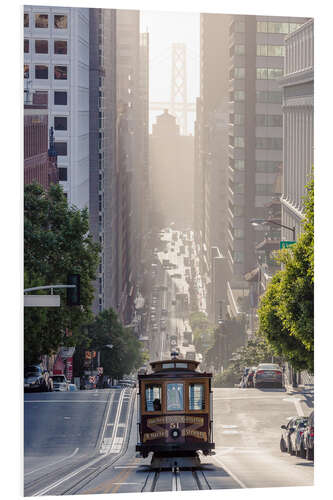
(286,443)
(268,374)
(60,383)
(249,377)
(308,437)
(296,438)
(37,379)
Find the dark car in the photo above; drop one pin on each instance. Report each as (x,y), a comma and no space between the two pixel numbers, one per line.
(37,379)
(249,377)
(269,374)
(308,437)
(286,442)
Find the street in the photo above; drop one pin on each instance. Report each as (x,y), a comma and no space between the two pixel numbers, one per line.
(84,443)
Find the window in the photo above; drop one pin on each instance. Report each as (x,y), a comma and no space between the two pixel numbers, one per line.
(60,72)
(60,123)
(239,95)
(41,46)
(153,397)
(274,97)
(238,211)
(26,71)
(26,20)
(60,98)
(269,143)
(239,72)
(269,73)
(41,72)
(239,233)
(265,188)
(239,142)
(26,45)
(62,174)
(196,394)
(278,27)
(238,257)
(238,119)
(60,46)
(239,188)
(239,50)
(267,166)
(61,148)
(270,50)
(60,21)
(239,164)
(175,397)
(269,120)
(41,21)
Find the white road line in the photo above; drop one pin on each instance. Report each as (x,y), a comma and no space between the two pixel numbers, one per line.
(53,463)
(231,474)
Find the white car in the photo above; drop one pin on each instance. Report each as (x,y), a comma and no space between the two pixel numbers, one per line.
(60,383)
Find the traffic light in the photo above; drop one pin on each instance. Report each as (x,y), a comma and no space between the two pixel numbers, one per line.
(73,294)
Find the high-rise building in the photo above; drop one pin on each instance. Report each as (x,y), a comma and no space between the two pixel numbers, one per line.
(102,152)
(297,85)
(257,51)
(56,69)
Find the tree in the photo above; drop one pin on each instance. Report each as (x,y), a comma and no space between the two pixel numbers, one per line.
(125,355)
(56,243)
(286,316)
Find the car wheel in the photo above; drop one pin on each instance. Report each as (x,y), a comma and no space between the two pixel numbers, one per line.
(283,447)
(290,449)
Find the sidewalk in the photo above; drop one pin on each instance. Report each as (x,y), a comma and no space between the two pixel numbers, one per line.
(306,385)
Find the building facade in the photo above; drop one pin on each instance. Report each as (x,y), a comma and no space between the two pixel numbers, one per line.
(40,161)
(171,159)
(298,87)
(56,69)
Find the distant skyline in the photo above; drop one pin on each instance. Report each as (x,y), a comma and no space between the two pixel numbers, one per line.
(166,28)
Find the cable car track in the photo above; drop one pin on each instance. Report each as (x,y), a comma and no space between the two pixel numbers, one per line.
(177,479)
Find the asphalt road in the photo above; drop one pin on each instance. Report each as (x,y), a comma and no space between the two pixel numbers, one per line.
(84,443)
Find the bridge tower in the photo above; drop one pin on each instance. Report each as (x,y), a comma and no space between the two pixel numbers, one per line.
(178,102)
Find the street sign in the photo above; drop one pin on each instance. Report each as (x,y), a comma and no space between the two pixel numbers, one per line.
(41,300)
(286,244)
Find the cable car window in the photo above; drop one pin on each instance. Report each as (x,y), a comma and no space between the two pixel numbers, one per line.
(196,397)
(175,397)
(153,397)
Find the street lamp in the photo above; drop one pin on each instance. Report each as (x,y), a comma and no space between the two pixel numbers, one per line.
(259,222)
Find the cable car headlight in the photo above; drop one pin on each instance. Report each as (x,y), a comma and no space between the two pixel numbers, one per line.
(175,433)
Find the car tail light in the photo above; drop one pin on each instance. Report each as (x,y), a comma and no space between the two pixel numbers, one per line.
(278,372)
(311,431)
(301,433)
(260,371)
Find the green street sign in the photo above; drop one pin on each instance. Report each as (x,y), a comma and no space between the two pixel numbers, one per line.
(286,244)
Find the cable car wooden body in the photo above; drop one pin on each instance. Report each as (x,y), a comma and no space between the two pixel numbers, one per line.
(175,410)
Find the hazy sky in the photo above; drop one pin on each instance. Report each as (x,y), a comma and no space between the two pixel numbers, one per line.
(166,28)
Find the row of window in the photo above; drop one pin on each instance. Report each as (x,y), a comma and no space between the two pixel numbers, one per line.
(42,21)
(269,27)
(266,27)
(261,120)
(261,73)
(174,397)
(42,72)
(42,46)
(271,50)
(268,73)
(261,142)
(267,166)
(263,96)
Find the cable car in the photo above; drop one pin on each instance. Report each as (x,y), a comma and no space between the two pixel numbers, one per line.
(175,411)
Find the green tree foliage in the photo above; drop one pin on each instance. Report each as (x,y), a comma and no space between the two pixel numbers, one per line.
(125,355)
(286,309)
(203,332)
(56,243)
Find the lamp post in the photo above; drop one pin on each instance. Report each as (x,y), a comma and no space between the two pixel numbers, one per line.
(259,222)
